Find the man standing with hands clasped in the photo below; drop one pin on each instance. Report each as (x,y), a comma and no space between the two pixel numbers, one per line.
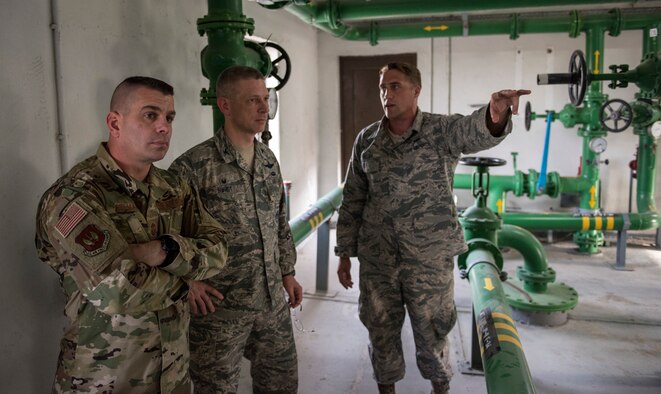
(240,182)
(398,217)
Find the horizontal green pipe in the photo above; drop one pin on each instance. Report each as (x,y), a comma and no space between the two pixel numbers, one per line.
(477,25)
(362,11)
(319,212)
(570,222)
(505,365)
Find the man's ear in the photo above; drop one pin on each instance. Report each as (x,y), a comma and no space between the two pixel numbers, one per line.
(112,122)
(223,104)
(417,91)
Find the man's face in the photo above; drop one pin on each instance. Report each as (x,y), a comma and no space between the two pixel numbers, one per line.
(399,97)
(248,108)
(145,126)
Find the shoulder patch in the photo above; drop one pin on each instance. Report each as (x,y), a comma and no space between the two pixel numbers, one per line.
(70,219)
(93,240)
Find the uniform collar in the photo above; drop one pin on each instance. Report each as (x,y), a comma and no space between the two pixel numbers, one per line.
(130,184)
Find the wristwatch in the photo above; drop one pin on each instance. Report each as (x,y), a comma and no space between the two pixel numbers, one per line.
(170,247)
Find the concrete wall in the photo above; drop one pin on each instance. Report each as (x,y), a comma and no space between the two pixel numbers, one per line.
(101,42)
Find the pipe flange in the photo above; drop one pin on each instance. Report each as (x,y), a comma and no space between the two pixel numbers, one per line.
(574,24)
(374,33)
(553,184)
(546,276)
(224,21)
(480,243)
(616,27)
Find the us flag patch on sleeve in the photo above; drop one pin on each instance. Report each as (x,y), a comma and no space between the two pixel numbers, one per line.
(69,219)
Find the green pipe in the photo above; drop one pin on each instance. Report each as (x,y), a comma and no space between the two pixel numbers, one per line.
(505,365)
(575,222)
(362,11)
(512,25)
(319,212)
(535,273)
(646,173)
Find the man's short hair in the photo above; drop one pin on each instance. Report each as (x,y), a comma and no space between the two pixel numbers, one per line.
(123,90)
(227,79)
(411,72)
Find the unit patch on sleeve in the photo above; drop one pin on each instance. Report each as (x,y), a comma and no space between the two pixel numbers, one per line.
(69,219)
(93,240)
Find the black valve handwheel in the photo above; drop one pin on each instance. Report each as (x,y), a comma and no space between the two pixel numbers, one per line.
(279,63)
(616,115)
(579,77)
(528,117)
(482,161)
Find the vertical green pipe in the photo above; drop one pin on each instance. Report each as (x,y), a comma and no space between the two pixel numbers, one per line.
(646,173)
(505,366)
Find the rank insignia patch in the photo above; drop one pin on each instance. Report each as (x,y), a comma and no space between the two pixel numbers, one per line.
(93,240)
(69,219)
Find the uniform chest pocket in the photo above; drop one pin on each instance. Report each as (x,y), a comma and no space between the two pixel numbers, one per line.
(378,177)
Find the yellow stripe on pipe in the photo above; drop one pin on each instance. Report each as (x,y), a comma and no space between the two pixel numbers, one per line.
(510,339)
(507,327)
(311,221)
(586,223)
(503,316)
(321,217)
(610,223)
(597,222)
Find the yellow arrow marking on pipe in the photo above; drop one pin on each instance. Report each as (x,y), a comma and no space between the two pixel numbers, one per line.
(499,203)
(596,62)
(597,223)
(441,28)
(593,191)
(510,339)
(487,284)
(586,223)
(610,223)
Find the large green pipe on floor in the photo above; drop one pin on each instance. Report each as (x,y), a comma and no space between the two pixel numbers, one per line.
(505,365)
(318,213)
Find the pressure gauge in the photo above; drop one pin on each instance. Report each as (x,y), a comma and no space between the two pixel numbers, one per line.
(656,129)
(598,145)
(273,103)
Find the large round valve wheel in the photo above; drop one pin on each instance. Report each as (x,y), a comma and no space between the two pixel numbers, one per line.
(528,118)
(579,77)
(281,64)
(482,161)
(616,115)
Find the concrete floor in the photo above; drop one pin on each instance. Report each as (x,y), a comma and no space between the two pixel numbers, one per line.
(611,343)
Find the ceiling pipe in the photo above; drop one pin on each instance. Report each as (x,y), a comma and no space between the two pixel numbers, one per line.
(327,18)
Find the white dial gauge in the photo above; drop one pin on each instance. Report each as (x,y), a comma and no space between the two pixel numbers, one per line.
(598,144)
(656,129)
(273,103)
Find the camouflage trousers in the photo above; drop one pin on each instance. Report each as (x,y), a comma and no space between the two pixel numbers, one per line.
(391,284)
(218,342)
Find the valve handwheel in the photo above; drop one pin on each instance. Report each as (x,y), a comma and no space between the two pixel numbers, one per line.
(528,118)
(279,63)
(579,77)
(482,161)
(616,115)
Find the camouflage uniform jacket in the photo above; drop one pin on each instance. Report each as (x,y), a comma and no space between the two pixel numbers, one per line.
(128,322)
(406,187)
(251,207)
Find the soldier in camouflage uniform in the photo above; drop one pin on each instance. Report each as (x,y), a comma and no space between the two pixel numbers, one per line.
(124,237)
(398,217)
(239,181)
